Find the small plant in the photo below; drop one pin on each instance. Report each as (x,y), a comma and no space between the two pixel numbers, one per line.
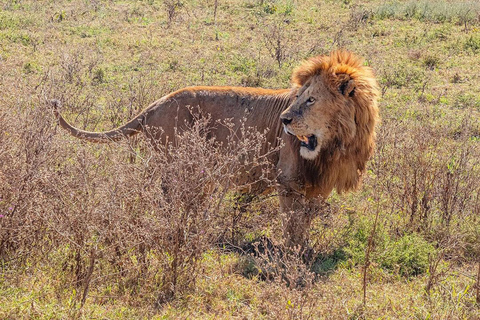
(472,44)
(98,76)
(365,235)
(172,7)
(408,255)
(269,8)
(29,67)
(431,62)
(59,16)
(467,100)
(358,17)
(276,40)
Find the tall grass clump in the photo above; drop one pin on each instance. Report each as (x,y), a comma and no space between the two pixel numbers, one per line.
(465,13)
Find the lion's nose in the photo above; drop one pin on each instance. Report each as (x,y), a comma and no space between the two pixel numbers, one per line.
(286,121)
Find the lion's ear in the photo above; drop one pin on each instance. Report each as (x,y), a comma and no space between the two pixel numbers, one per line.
(347,85)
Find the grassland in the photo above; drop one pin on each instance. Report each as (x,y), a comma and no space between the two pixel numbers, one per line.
(86,230)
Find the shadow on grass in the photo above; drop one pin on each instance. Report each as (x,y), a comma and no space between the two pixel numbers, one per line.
(264,260)
(325,264)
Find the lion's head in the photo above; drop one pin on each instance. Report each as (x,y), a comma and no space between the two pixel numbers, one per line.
(333,115)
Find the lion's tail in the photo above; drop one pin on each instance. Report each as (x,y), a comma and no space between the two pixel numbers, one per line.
(130,128)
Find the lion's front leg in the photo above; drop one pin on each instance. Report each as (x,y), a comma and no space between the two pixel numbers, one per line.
(298,213)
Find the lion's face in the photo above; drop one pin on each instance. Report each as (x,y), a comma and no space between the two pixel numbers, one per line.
(321,109)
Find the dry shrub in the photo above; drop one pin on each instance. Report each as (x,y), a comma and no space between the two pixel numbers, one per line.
(141,226)
(26,142)
(427,170)
(190,181)
(359,17)
(127,219)
(277,32)
(288,270)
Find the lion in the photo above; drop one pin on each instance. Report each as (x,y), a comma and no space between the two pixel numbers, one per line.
(326,120)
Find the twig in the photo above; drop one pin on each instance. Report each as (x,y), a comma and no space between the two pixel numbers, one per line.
(369,249)
(478,284)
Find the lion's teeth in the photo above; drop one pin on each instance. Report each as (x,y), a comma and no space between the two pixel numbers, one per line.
(303,138)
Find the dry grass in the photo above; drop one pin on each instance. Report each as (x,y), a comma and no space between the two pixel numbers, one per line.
(120,231)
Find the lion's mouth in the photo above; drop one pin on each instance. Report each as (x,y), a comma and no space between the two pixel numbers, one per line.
(309,142)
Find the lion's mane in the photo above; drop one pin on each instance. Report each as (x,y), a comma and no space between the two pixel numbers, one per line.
(342,161)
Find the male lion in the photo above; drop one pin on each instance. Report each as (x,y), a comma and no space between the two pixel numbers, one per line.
(326,120)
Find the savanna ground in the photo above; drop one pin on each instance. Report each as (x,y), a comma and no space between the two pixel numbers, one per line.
(118,231)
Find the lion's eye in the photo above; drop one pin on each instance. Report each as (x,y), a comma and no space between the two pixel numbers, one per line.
(311,100)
